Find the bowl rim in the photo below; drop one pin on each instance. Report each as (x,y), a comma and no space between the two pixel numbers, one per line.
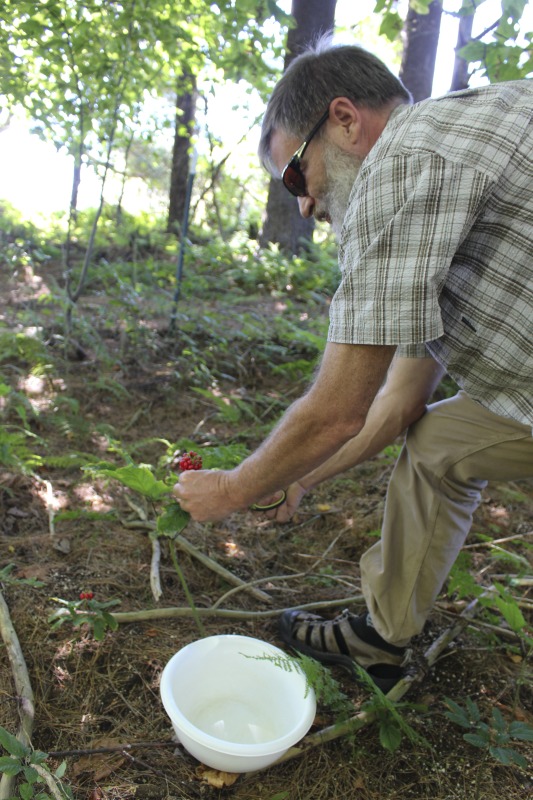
(209,741)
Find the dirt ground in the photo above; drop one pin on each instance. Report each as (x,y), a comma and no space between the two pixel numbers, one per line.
(75,534)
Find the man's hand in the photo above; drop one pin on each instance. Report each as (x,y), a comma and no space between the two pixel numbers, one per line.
(205,495)
(286,510)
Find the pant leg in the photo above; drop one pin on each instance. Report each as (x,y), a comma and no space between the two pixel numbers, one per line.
(448,457)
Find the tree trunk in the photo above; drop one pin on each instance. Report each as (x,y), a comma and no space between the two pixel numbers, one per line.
(283,224)
(421,38)
(185,116)
(460,75)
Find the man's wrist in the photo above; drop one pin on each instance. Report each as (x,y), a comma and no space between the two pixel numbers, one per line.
(233,487)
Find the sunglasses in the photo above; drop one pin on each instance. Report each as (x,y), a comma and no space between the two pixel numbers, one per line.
(292,175)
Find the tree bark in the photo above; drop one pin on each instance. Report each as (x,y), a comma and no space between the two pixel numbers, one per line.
(421,38)
(460,75)
(283,224)
(185,116)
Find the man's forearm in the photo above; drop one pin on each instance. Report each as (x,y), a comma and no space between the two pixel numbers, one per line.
(299,444)
(315,427)
(387,419)
(310,432)
(380,430)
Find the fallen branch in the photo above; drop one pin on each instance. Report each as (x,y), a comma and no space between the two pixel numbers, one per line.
(23,689)
(178,611)
(52,783)
(492,542)
(155,580)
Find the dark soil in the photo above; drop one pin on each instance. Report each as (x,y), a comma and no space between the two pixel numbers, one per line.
(104,694)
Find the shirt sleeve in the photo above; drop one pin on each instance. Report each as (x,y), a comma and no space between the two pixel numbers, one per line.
(406,219)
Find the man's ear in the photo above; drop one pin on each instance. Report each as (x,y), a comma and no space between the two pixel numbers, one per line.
(346,117)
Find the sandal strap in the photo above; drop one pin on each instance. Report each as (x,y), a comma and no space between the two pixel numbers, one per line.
(342,636)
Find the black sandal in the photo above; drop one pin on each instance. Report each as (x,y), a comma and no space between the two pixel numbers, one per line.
(344,641)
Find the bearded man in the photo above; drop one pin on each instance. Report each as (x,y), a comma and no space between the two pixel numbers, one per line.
(432,206)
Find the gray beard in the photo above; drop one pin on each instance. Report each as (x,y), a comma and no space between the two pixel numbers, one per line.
(341,171)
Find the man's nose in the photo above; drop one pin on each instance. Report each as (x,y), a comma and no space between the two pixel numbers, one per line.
(307,205)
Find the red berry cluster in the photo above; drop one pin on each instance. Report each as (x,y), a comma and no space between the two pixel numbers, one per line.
(189,460)
(86,595)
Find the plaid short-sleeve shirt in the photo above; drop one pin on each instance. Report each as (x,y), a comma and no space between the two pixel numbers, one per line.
(436,251)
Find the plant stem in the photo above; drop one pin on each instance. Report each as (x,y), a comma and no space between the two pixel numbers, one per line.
(188,594)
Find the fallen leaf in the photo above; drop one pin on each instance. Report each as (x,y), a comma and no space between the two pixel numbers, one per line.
(100,765)
(62,546)
(216,778)
(38,571)
(97,794)
(359,783)
(17,512)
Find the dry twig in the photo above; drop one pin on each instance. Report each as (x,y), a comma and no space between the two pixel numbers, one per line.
(23,688)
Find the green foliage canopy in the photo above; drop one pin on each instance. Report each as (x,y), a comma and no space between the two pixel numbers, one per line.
(83,69)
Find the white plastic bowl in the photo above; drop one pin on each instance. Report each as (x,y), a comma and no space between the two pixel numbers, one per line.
(232,711)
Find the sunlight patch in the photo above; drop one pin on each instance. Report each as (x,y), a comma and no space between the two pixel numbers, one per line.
(89,495)
(233,550)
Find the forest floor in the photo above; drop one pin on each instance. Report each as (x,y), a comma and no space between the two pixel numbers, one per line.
(73,533)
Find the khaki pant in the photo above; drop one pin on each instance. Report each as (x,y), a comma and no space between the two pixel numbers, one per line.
(448,457)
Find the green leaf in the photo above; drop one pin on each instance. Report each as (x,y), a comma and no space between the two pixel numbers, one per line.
(476,739)
(507,756)
(500,724)
(140,479)
(38,757)
(10,766)
(457,714)
(98,629)
(391,26)
(511,613)
(60,771)
(26,791)
(390,734)
(110,621)
(473,710)
(522,731)
(5,572)
(420,6)
(12,744)
(30,774)
(173,520)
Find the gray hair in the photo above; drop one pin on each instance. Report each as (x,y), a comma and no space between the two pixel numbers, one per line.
(318,75)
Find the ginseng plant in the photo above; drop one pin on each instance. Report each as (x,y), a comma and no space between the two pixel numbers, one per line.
(170,519)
